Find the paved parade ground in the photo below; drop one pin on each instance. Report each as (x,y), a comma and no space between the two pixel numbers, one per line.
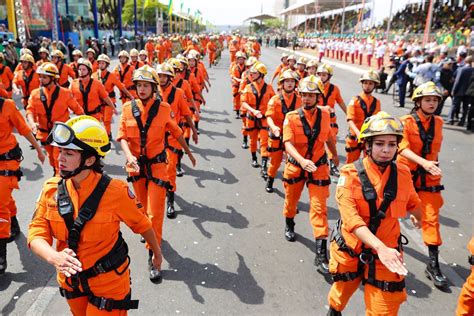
(225,253)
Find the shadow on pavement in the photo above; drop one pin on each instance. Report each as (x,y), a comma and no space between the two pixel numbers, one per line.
(212,134)
(448,221)
(215,121)
(34,174)
(214,112)
(115,170)
(36,274)
(203,213)
(205,153)
(194,274)
(201,175)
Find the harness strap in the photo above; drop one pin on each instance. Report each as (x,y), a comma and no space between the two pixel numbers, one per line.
(102,303)
(123,73)
(284,108)
(49,108)
(367,111)
(85,97)
(13,154)
(12,173)
(27,80)
(258,97)
(326,97)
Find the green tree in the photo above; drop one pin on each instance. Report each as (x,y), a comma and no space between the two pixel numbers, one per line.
(273,23)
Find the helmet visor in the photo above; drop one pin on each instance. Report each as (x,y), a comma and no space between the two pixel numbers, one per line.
(386,125)
(63,136)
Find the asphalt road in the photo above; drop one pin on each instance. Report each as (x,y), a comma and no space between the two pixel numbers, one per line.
(225,252)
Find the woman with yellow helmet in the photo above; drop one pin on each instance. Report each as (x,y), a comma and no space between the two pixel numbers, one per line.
(419,150)
(372,194)
(81,211)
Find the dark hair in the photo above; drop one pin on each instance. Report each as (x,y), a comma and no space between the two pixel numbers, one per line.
(430,58)
(97,166)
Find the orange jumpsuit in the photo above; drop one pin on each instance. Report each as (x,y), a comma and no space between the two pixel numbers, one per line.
(233,49)
(357,112)
(95,65)
(176,98)
(243,112)
(355,213)
(10,118)
(277,110)
(73,65)
(466,298)
(256,49)
(180,82)
(110,81)
(236,72)
(331,96)
(160,52)
(65,71)
(199,75)
(258,99)
(125,72)
(189,76)
(149,192)
(150,50)
(136,64)
(211,48)
(97,238)
(294,177)
(27,81)
(6,78)
(89,94)
(428,186)
(278,71)
(57,111)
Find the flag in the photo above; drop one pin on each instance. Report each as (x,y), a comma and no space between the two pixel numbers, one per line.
(181,8)
(170,8)
(189,11)
(149,3)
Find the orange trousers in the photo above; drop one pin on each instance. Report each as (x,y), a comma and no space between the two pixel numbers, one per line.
(377,302)
(7,203)
(318,196)
(236,98)
(172,162)
(243,116)
(197,104)
(153,199)
(212,58)
(257,135)
(276,157)
(335,131)
(232,56)
(430,205)
(118,290)
(107,114)
(466,298)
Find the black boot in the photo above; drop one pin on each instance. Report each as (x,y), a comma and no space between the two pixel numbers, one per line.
(290,229)
(196,124)
(333,169)
(432,271)
(14,229)
(179,169)
(321,260)
(333,312)
(263,171)
(3,255)
(254,160)
(245,142)
(187,141)
(154,274)
(269,186)
(237,114)
(170,212)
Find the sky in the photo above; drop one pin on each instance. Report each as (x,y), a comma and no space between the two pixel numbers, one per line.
(234,12)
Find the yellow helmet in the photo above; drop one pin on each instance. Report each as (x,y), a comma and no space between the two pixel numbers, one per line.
(48,69)
(57,53)
(43,50)
(77,52)
(193,54)
(312,63)
(133,52)
(426,89)
(291,57)
(309,84)
(124,53)
(90,50)
(288,74)
(251,61)
(259,67)
(84,133)
(28,58)
(370,75)
(104,57)
(283,56)
(147,74)
(183,60)
(240,54)
(175,63)
(85,62)
(325,68)
(24,51)
(143,52)
(381,123)
(301,61)
(165,69)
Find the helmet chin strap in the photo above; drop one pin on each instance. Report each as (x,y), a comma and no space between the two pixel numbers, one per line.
(379,163)
(69,174)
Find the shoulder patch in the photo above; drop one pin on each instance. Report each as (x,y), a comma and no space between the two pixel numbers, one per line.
(285,122)
(172,114)
(131,195)
(341,181)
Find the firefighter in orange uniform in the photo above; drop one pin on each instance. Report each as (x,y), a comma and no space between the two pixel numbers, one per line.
(6,77)
(193,58)
(236,78)
(10,172)
(466,298)
(134,62)
(372,194)
(233,48)
(329,97)
(81,211)
(361,107)
(243,112)
(65,71)
(44,56)
(255,98)
(291,63)
(212,48)
(90,93)
(301,67)
(76,54)
(176,98)
(143,125)
(124,72)
(150,49)
(312,67)
(48,104)
(91,56)
(419,150)
(285,101)
(143,58)
(284,63)
(306,132)
(109,80)
(26,79)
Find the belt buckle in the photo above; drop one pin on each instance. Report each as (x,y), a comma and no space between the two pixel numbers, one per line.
(363,256)
(100,268)
(104,304)
(385,286)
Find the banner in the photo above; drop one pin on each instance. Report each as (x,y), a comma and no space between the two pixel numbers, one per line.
(170,7)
